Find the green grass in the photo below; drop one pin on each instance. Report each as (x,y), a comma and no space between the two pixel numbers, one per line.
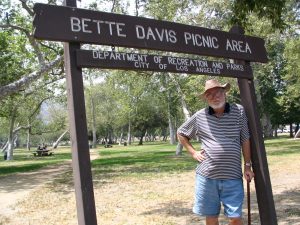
(150,159)
(142,160)
(282,146)
(24,161)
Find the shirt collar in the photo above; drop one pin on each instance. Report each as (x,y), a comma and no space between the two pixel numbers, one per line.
(226,110)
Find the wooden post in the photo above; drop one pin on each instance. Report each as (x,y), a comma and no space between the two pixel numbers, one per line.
(263,186)
(86,211)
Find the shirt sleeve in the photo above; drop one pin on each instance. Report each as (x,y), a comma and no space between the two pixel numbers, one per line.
(245,135)
(189,128)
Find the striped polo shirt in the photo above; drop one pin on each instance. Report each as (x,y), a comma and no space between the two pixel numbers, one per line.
(221,139)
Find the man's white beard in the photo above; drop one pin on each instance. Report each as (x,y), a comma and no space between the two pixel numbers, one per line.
(217,106)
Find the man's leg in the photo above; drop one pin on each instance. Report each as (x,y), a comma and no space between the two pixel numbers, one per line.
(235,221)
(232,198)
(212,220)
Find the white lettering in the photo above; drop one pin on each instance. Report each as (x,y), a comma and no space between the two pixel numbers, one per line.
(84,25)
(217,65)
(155,34)
(235,45)
(214,42)
(228,45)
(172,36)
(95,54)
(238,46)
(106,54)
(187,37)
(207,70)
(150,33)
(248,48)
(201,40)
(160,34)
(157,58)
(140,32)
(98,25)
(112,56)
(141,65)
(201,63)
(110,26)
(119,29)
(181,68)
(233,66)
(75,24)
(162,66)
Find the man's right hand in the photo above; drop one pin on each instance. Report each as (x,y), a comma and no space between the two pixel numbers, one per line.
(199,155)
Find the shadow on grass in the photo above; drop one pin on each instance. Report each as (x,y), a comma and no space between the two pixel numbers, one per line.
(287,209)
(171,208)
(287,205)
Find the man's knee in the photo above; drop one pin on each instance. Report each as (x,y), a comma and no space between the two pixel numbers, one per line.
(212,220)
(235,221)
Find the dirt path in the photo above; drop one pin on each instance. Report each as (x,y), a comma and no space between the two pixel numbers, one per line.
(17,187)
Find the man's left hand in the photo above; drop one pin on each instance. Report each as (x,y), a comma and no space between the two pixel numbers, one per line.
(248,174)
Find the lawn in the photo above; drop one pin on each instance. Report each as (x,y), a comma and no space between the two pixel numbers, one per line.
(25,161)
(150,158)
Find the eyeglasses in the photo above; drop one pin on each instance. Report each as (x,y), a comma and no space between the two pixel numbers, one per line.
(213,93)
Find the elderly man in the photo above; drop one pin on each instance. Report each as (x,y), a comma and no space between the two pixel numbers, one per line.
(223,131)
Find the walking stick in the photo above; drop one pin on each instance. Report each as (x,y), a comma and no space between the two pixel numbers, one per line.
(248,202)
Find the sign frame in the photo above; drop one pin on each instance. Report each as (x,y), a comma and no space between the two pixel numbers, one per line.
(46,28)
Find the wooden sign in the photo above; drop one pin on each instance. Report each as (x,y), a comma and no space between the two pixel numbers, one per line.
(135,61)
(75,26)
(69,24)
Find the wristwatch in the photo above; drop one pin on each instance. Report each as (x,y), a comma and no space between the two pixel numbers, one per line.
(248,164)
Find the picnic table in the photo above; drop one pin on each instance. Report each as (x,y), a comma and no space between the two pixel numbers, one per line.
(43,152)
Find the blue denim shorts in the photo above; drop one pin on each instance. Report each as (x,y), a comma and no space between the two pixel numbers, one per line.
(210,193)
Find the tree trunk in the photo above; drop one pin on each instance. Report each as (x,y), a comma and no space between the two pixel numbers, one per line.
(146,136)
(297,128)
(291,130)
(172,132)
(171,124)
(28,144)
(267,126)
(121,137)
(275,131)
(55,144)
(141,140)
(94,130)
(297,135)
(185,112)
(179,149)
(129,130)
(10,148)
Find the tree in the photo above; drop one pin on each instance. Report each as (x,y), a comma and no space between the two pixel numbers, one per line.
(269,9)
(34,58)
(147,116)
